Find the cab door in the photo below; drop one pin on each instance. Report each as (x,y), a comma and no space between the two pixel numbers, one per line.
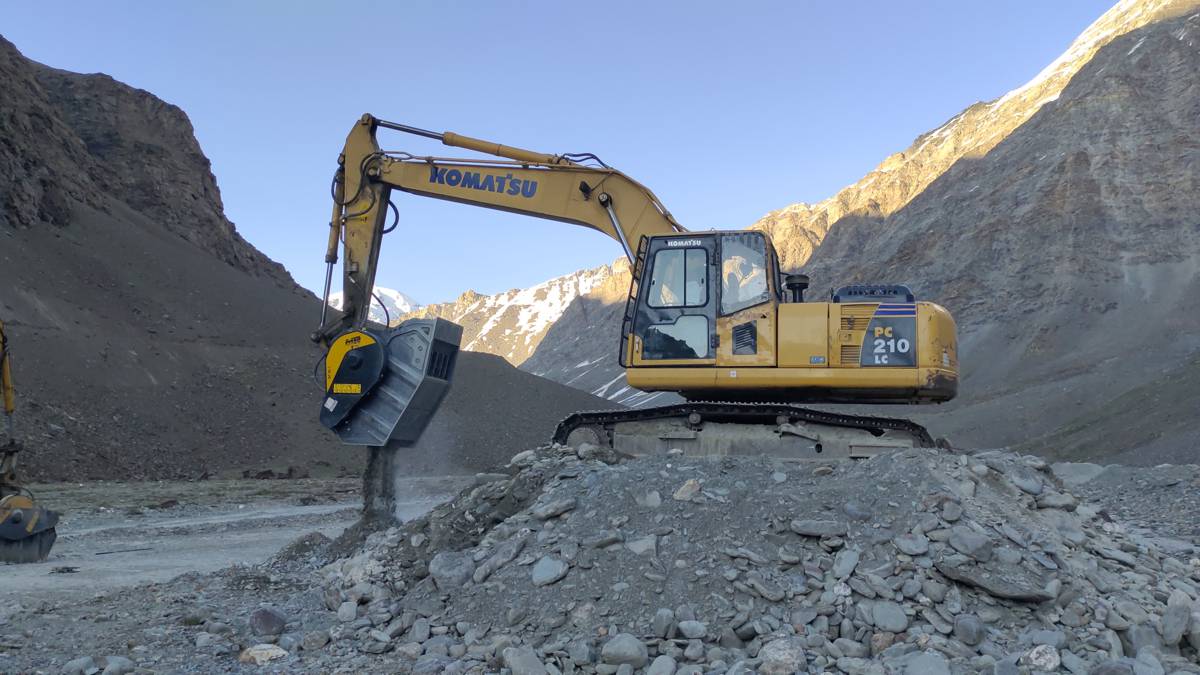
(675,320)
(746,316)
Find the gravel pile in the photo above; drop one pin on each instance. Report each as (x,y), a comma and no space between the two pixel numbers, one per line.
(919,561)
(1158,502)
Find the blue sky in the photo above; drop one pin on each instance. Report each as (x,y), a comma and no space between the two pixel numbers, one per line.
(725,110)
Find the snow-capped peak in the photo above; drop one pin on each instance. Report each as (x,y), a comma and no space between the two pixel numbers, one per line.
(397,304)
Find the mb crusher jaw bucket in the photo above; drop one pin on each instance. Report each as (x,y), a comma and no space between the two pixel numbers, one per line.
(382,388)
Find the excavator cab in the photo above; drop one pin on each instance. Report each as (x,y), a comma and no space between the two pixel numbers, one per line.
(708,317)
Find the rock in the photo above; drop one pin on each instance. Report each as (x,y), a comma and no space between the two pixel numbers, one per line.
(912,544)
(523,661)
(851,648)
(845,562)
(687,490)
(261,654)
(926,663)
(1147,664)
(84,665)
(889,616)
(314,640)
(552,509)
(969,542)
(1073,473)
(1013,583)
(504,554)
(1139,637)
(782,656)
(1042,657)
(347,611)
(117,665)
(267,621)
(581,652)
(624,648)
(1177,617)
(693,630)
(451,569)
(1026,479)
(664,620)
(1053,638)
(880,641)
(968,629)
(643,545)
(1112,668)
(1056,500)
(819,528)
(548,570)
(205,639)
(951,511)
(409,650)
(662,665)
(1072,662)
(649,499)
(859,666)
(420,630)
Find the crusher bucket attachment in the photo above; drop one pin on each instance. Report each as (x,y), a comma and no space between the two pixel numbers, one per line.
(26,529)
(384,386)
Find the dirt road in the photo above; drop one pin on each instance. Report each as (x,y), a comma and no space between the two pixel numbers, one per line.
(115,535)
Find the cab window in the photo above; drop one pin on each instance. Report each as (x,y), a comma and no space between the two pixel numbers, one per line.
(743,271)
(678,279)
(686,338)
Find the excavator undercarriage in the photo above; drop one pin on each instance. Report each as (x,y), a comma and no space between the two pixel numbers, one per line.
(718,429)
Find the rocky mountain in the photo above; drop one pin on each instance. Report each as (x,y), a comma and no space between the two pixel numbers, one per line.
(395,305)
(1057,222)
(800,228)
(102,139)
(512,324)
(149,338)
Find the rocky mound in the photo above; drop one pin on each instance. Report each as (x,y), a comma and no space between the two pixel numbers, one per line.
(912,562)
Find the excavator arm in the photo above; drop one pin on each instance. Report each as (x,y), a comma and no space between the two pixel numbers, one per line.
(576,189)
(383,386)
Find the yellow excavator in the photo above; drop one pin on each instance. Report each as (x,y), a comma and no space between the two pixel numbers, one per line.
(710,315)
(26,529)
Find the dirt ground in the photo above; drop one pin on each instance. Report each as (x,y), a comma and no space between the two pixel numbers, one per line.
(119,535)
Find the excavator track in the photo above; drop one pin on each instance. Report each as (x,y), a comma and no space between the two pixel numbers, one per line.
(716,429)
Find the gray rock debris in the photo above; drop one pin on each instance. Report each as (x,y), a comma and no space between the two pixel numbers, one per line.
(624,649)
(523,661)
(549,570)
(267,621)
(450,570)
(875,568)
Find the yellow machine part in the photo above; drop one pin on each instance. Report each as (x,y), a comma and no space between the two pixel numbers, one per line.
(813,350)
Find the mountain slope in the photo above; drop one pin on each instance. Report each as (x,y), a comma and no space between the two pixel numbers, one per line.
(149,338)
(512,324)
(799,229)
